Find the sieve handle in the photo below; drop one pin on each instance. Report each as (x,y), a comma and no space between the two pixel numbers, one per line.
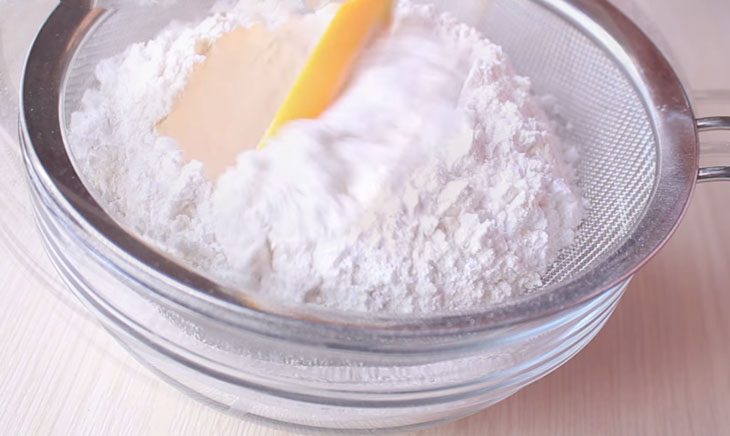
(713,174)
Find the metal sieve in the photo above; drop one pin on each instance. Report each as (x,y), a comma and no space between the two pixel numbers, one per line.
(625,105)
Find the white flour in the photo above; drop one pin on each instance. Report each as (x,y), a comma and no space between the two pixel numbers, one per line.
(434,183)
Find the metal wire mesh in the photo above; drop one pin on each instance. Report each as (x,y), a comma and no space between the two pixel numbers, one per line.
(598,100)
(607,117)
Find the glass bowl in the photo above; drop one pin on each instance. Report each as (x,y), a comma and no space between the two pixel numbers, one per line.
(304,366)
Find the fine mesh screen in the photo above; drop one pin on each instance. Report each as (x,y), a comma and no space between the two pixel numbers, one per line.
(609,123)
(607,118)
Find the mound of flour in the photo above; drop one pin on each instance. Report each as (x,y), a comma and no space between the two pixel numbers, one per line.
(434,182)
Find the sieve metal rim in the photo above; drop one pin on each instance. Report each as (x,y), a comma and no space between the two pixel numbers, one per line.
(677,171)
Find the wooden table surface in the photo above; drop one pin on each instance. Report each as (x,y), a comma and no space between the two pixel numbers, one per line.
(661,366)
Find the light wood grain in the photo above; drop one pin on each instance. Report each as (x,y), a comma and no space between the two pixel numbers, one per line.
(661,366)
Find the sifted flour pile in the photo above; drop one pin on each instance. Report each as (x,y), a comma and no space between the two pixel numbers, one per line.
(433,183)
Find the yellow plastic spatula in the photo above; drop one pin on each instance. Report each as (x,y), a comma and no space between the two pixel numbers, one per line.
(354,26)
